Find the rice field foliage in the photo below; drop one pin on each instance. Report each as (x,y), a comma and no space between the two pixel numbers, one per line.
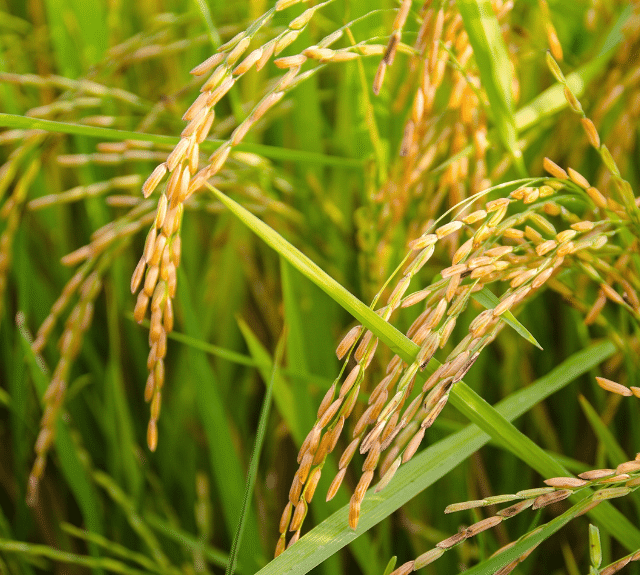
(330,287)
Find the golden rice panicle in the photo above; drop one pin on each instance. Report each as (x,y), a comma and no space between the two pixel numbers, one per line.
(156,273)
(392,45)
(69,345)
(11,211)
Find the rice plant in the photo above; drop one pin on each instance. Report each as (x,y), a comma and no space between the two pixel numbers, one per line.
(285,285)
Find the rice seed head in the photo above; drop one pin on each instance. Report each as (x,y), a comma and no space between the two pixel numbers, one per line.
(281,545)
(344,56)
(295,490)
(153,180)
(453,270)
(354,512)
(566,482)
(327,416)
(595,474)
(379,77)
(140,309)
(483,525)
(573,102)
(388,475)
(474,217)
(455,507)
(348,453)
(614,479)
(542,278)
(615,567)
(335,484)
(347,342)
(399,290)
(290,61)
(413,445)
(613,386)
(392,46)
(312,483)
(449,542)
(373,456)
(326,400)
(335,434)
(448,229)
(555,170)
(515,508)
(550,498)
(612,294)
(401,16)
(294,539)
(372,436)
(592,132)
(596,196)
(208,65)
(298,515)
(462,252)
(423,241)
(433,414)
(414,298)
(428,558)
(419,261)
(578,179)
(362,347)
(152,435)
(554,68)
(404,569)
(363,485)
(628,467)
(611,493)
(310,444)
(138,274)
(348,406)
(284,4)
(535,492)
(286,40)
(305,466)
(554,43)
(595,548)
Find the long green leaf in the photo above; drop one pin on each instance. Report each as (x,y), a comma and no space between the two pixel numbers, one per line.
(273,152)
